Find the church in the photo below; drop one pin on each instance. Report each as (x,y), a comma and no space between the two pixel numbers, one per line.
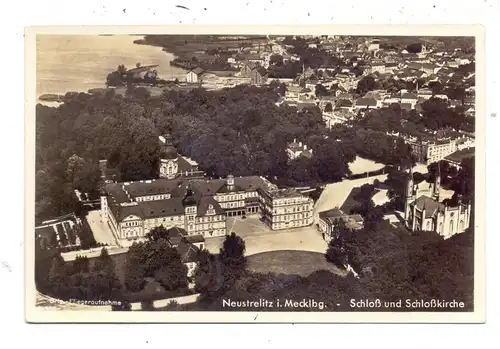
(425,211)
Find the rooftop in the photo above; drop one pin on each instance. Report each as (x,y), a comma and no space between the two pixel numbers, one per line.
(460,155)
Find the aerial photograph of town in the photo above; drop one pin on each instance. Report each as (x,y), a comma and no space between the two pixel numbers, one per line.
(214,173)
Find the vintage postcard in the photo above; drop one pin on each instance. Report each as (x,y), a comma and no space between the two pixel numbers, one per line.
(255,174)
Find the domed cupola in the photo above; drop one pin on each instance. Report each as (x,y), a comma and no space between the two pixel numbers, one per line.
(167,149)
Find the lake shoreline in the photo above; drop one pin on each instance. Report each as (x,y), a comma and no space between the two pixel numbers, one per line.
(90,68)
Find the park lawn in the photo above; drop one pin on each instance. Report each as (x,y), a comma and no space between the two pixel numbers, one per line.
(290,262)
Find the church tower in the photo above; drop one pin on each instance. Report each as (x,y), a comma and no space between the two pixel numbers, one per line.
(409,195)
(437,184)
(168,158)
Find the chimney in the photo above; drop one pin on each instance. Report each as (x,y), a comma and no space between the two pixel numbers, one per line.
(300,144)
(305,147)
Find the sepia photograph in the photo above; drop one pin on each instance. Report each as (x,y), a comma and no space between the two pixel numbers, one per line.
(255,174)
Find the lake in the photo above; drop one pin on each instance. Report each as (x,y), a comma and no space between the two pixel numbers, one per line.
(78,63)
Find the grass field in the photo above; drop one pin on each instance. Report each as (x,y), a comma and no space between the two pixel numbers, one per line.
(301,263)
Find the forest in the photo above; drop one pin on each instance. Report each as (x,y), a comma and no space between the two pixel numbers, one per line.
(396,266)
(239,131)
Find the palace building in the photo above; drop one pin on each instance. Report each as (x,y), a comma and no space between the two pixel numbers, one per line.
(285,208)
(131,214)
(427,212)
(182,197)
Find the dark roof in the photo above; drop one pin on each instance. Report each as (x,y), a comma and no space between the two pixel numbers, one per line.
(343,103)
(460,155)
(262,71)
(175,235)
(366,101)
(408,95)
(192,239)
(197,70)
(206,203)
(251,65)
(188,252)
(210,187)
(428,204)
(333,213)
(149,209)
(152,187)
(44,232)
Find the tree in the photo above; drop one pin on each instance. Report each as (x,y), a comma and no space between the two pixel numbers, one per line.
(105,283)
(135,271)
(337,252)
(157,233)
(172,275)
(58,277)
(232,253)
(276,60)
(414,48)
(321,91)
(80,265)
(173,305)
(366,84)
(209,275)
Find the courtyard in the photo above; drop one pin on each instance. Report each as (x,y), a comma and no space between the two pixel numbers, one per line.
(260,238)
(101,230)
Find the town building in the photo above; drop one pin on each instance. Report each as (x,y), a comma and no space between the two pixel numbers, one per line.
(429,151)
(258,76)
(187,246)
(455,159)
(366,103)
(285,208)
(328,219)
(297,149)
(194,75)
(246,69)
(427,213)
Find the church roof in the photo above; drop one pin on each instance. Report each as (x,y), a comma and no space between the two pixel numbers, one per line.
(430,205)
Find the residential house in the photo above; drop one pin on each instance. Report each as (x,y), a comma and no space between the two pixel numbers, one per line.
(336,117)
(259,76)
(344,104)
(374,45)
(410,98)
(247,68)
(195,75)
(328,219)
(366,103)
(378,66)
(390,67)
(424,93)
(297,149)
